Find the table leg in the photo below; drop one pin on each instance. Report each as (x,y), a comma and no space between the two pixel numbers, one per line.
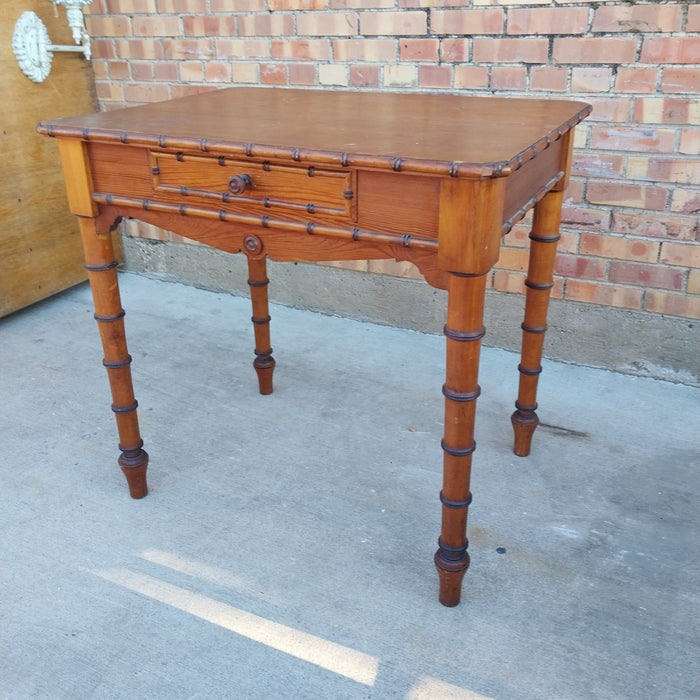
(463,330)
(101,266)
(264,363)
(539,282)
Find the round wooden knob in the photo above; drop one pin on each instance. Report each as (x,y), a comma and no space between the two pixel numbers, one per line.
(238,184)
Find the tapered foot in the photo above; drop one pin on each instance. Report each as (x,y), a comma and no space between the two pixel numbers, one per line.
(264,365)
(524,424)
(134,464)
(450,573)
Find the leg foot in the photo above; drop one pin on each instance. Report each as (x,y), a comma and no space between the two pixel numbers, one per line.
(524,423)
(264,365)
(450,573)
(134,464)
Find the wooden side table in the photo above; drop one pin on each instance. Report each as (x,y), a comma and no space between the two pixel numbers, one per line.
(310,175)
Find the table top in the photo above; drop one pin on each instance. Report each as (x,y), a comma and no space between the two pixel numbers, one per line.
(464,135)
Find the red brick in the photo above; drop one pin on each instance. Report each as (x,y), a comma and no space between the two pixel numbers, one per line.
(633,79)
(511,282)
(142,70)
(510,50)
(686,200)
(278,5)
(641,275)
(548,78)
(597,165)
(128,7)
(404,23)
(181,6)
(108,26)
(469,22)
(681,80)
(644,19)
(362,4)
(603,294)
(656,169)
(302,74)
(327,24)
(595,50)
(147,49)
(434,76)
(626,195)
(513,259)
(364,76)
(508,78)
(586,218)
(266,25)
(671,49)
(188,49)
(209,25)
(546,20)
(217,72)
(591,79)
(682,254)
(665,110)
(630,138)
(577,266)
(102,48)
(273,74)
(693,285)
(610,109)
(240,6)
(471,77)
(191,71)
(454,50)
(101,69)
(146,92)
(156,25)
(165,71)
(693,21)
(302,49)
(619,247)
(242,48)
(418,50)
(373,50)
(655,225)
(672,304)
(109,92)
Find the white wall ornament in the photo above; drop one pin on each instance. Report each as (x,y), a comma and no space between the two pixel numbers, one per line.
(33,48)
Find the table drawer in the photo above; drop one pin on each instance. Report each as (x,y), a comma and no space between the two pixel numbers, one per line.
(311,190)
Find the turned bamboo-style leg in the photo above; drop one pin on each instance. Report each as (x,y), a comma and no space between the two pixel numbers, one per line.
(539,282)
(101,266)
(264,363)
(463,330)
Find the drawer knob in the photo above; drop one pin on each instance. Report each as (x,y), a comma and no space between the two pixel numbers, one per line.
(238,184)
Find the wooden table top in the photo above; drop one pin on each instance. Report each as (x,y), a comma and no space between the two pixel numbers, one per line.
(468,136)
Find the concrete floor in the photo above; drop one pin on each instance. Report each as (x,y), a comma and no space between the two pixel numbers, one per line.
(285,549)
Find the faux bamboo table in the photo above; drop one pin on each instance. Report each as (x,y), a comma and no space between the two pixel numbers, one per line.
(311,175)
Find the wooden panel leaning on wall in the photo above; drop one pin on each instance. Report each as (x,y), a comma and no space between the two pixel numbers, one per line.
(40,251)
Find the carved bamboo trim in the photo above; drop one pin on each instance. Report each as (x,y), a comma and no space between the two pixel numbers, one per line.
(520,214)
(310,227)
(457,169)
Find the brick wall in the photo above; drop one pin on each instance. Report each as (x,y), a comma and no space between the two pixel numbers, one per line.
(631,231)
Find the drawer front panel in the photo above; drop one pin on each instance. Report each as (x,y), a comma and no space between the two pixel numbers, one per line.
(283,187)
